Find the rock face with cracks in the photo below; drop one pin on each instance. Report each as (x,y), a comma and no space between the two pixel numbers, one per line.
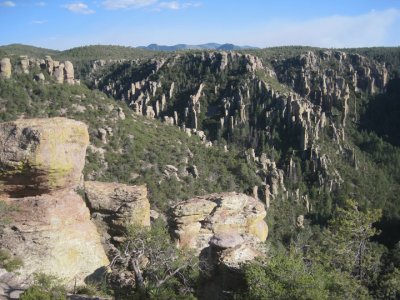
(115,206)
(41,161)
(197,220)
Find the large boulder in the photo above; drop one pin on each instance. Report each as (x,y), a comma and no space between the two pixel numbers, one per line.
(116,206)
(41,161)
(53,233)
(5,68)
(197,220)
(41,155)
(226,240)
(231,250)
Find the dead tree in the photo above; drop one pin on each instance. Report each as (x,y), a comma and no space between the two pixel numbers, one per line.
(153,259)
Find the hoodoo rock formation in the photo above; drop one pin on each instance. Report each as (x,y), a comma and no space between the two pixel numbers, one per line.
(62,72)
(197,220)
(310,96)
(226,230)
(41,162)
(5,68)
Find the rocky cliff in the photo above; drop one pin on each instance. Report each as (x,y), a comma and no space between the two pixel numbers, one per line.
(293,103)
(50,229)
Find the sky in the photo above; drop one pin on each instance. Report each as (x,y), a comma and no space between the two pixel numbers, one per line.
(66,24)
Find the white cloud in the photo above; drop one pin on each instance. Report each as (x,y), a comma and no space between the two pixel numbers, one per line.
(41,3)
(79,8)
(370,29)
(118,4)
(175,5)
(170,5)
(154,4)
(7,4)
(39,22)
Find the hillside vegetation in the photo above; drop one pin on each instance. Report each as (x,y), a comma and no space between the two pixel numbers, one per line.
(311,132)
(138,149)
(20,49)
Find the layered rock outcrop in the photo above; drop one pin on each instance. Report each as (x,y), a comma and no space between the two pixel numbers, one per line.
(226,230)
(197,220)
(115,206)
(41,162)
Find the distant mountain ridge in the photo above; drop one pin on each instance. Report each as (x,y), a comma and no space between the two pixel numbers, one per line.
(207,46)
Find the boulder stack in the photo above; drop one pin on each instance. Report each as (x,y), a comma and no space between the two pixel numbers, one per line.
(41,161)
(197,220)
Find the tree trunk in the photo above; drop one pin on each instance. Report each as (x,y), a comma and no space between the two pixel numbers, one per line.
(138,274)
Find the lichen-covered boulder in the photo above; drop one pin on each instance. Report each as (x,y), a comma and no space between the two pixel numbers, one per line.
(41,155)
(197,220)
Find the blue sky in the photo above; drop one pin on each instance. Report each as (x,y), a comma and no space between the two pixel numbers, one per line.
(326,23)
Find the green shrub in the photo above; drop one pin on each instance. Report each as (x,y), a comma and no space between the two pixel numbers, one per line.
(291,277)
(9,262)
(36,293)
(88,290)
(45,287)
(93,289)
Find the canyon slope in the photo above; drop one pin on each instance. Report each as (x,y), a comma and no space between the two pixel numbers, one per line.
(229,147)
